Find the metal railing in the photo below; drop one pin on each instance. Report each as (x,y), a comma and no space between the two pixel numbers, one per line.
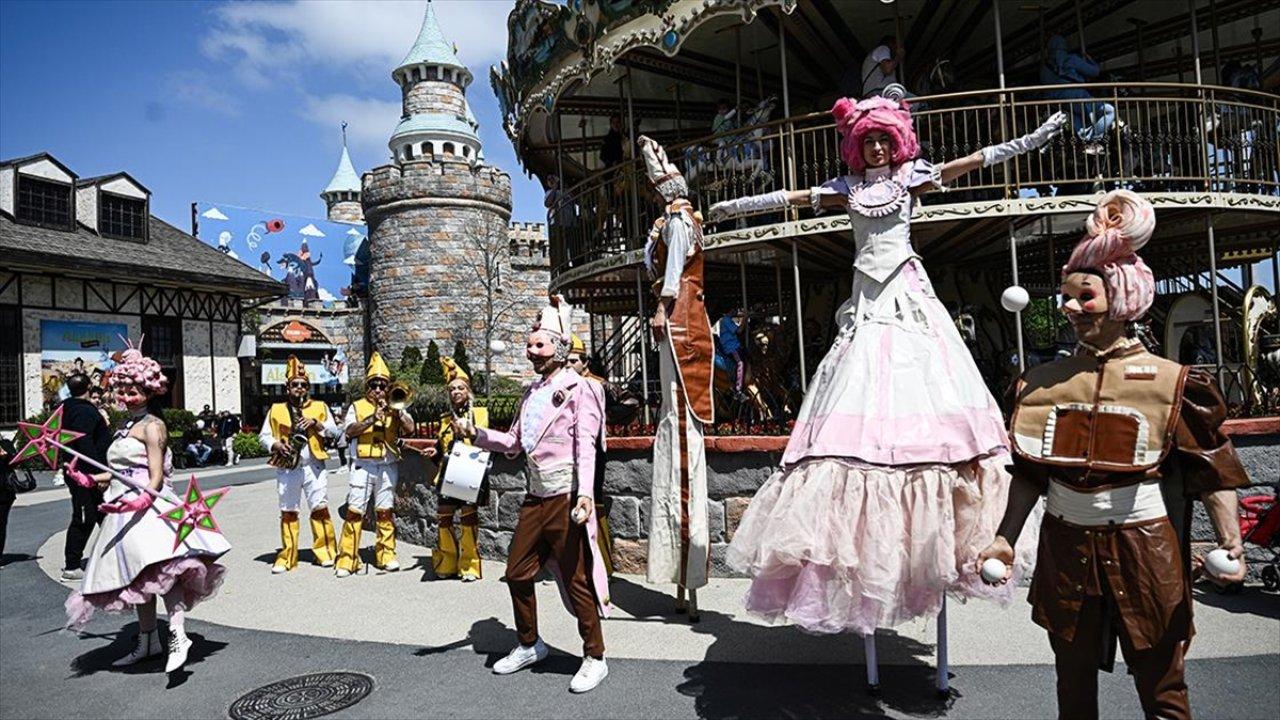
(1152,137)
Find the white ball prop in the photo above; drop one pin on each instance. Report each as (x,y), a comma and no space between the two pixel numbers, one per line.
(993,570)
(1014,298)
(1220,563)
(498,347)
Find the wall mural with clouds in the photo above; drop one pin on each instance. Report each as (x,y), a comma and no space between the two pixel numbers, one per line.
(320,261)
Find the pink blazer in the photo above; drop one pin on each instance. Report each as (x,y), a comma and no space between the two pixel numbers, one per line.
(583,400)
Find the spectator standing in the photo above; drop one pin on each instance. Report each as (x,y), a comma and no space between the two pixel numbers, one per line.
(228,428)
(98,397)
(7,493)
(80,415)
(339,414)
(880,67)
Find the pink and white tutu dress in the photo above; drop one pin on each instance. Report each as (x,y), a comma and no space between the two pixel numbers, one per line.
(894,477)
(134,556)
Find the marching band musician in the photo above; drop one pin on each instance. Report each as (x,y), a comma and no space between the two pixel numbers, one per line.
(295,432)
(454,557)
(376,427)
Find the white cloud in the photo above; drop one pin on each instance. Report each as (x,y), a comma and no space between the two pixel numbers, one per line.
(325,295)
(311,231)
(280,39)
(369,120)
(214,213)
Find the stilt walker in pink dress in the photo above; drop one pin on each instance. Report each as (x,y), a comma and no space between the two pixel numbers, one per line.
(138,555)
(895,473)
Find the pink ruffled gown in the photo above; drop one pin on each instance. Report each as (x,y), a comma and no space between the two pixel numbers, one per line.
(894,477)
(134,556)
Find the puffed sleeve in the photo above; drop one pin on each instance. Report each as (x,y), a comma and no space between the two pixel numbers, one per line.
(921,172)
(835,187)
(1207,457)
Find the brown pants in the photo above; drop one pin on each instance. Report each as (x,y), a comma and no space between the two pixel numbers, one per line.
(544,531)
(1157,671)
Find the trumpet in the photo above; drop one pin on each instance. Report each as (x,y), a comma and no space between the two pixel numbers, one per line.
(399,396)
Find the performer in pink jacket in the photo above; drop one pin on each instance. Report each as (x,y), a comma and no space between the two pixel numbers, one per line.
(560,419)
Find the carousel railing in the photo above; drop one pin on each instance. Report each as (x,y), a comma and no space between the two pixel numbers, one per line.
(1154,137)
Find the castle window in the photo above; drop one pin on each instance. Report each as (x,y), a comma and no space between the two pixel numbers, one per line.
(466,151)
(122,217)
(448,148)
(427,150)
(408,152)
(435,73)
(44,203)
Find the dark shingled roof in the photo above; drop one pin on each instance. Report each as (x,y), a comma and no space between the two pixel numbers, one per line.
(169,257)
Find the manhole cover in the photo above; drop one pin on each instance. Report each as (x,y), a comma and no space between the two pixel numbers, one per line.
(302,697)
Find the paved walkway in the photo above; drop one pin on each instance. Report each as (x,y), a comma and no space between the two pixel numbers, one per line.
(420,638)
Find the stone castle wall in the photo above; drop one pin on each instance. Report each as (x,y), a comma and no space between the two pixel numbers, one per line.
(434,96)
(427,225)
(346,211)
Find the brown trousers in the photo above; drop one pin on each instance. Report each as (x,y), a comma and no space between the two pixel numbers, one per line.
(1157,671)
(544,531)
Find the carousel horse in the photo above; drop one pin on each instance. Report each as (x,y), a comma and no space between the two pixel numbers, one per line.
(765,395)
(743,152)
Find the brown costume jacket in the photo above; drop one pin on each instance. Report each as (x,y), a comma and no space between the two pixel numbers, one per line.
(688,327)
(1093,422)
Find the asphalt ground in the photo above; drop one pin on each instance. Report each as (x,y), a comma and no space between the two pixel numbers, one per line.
(47,672)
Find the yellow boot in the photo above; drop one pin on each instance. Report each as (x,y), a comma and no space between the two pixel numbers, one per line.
(385,554)
(444,559)
(324,543)
(287,558)
(349,547)
(604,540)
(469,558)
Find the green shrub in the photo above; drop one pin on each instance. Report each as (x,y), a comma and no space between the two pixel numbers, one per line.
(178,421)
(432,373)
(247,445)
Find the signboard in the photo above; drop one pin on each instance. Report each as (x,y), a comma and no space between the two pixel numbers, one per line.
(293,331)
(330,370)
(69,346)
(320,261)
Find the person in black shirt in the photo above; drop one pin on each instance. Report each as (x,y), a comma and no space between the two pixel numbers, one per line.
(82,416)
(228,426)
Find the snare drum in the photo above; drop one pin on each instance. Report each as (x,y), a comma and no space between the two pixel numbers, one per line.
(464,472)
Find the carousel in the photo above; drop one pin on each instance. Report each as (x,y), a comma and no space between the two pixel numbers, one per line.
(1173,100)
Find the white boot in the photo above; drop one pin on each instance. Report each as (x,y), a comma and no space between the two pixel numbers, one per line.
(521,658)
(148,646)
(179,644)
(589,675)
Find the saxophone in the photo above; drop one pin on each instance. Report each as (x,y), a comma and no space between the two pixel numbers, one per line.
(297,440)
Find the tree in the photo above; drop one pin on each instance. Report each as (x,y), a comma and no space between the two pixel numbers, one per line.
(491,253)
(432,373)
(460,357)
(410,359)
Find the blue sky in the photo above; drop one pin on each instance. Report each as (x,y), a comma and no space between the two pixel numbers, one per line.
(234,103)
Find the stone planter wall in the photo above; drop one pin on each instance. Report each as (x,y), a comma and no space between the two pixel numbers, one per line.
(736,468)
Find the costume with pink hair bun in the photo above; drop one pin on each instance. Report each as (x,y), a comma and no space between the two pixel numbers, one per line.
(137,369)
(855,120)
(1119,227)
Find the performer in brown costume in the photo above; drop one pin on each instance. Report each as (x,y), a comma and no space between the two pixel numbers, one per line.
(1103,433)
(679,537)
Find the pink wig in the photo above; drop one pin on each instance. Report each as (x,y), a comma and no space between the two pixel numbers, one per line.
(137,369)
(854,121)
(1119,227)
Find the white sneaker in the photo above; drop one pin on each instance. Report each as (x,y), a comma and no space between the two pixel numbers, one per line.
(589,675)
(278,569)
(179,644)
(343,572)
(58,479)
(392,566)
(521,658)
(73,574)
(148,645)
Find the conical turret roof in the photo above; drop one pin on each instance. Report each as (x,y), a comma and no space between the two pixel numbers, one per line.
(431,48)
(345,178)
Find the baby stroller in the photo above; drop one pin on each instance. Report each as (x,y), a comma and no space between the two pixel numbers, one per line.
(1260,525)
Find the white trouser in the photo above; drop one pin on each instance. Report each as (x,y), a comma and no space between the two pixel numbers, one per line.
(372,477)
(229,445)
(309,476)
(672,517)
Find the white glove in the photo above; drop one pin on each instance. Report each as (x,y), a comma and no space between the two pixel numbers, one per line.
(1005,152)
(737,207)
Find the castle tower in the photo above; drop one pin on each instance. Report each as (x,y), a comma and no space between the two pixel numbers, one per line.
(342,195)
(438,216)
